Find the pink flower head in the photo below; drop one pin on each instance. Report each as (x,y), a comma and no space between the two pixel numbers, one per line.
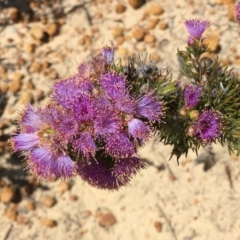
(30,120)
(196,27)
(68,91)
(24,141)
(192,95)
(148,107)
(85,145)
(208,126)
(119,146)
(42,145)
(107,173)
(114,85)
(106,124)
(138,130)
(48,165)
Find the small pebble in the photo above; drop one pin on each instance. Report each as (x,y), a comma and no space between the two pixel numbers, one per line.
(120,8)
(64,186)
(17,76)
(26,97)
(107,220)
(29,47)
(155,57)
(11,212)
(28,85)
(31,205)
(163,25)
(117,32)
(73,197)
(49,201)
(136,3)
(152,23)
(36,66)
(49,223)
(98,15)
(139,34)
(15,86)
(156,10)
(7,194)
(52,74)
(39,94)
(52,29)
(158,226)
(149,38)
(120,40)
(37,32)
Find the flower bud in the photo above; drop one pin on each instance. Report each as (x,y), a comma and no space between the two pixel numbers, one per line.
(183,112)
(191,41)
(194,114)
(191,131)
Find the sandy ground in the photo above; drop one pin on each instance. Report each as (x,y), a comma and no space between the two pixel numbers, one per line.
(164,201)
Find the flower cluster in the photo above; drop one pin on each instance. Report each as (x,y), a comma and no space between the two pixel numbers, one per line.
(92,127)
(98,118)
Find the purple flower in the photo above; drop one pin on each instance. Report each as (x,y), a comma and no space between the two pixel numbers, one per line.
(108,54)
(30,123)
(208,126)
(60,125)
(68,126)
(192,95)
(149,108)
(114,85)
(138,130)
(44,146)
(24,142)
(127,166)
(106,124)
(125,104)
(85,145)
(196,27)
(48,165)
(115,88)
(68,91)
(29,120)
(107,173)
(119,146)
(84,109)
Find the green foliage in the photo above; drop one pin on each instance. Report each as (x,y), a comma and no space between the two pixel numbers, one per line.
(219,93)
